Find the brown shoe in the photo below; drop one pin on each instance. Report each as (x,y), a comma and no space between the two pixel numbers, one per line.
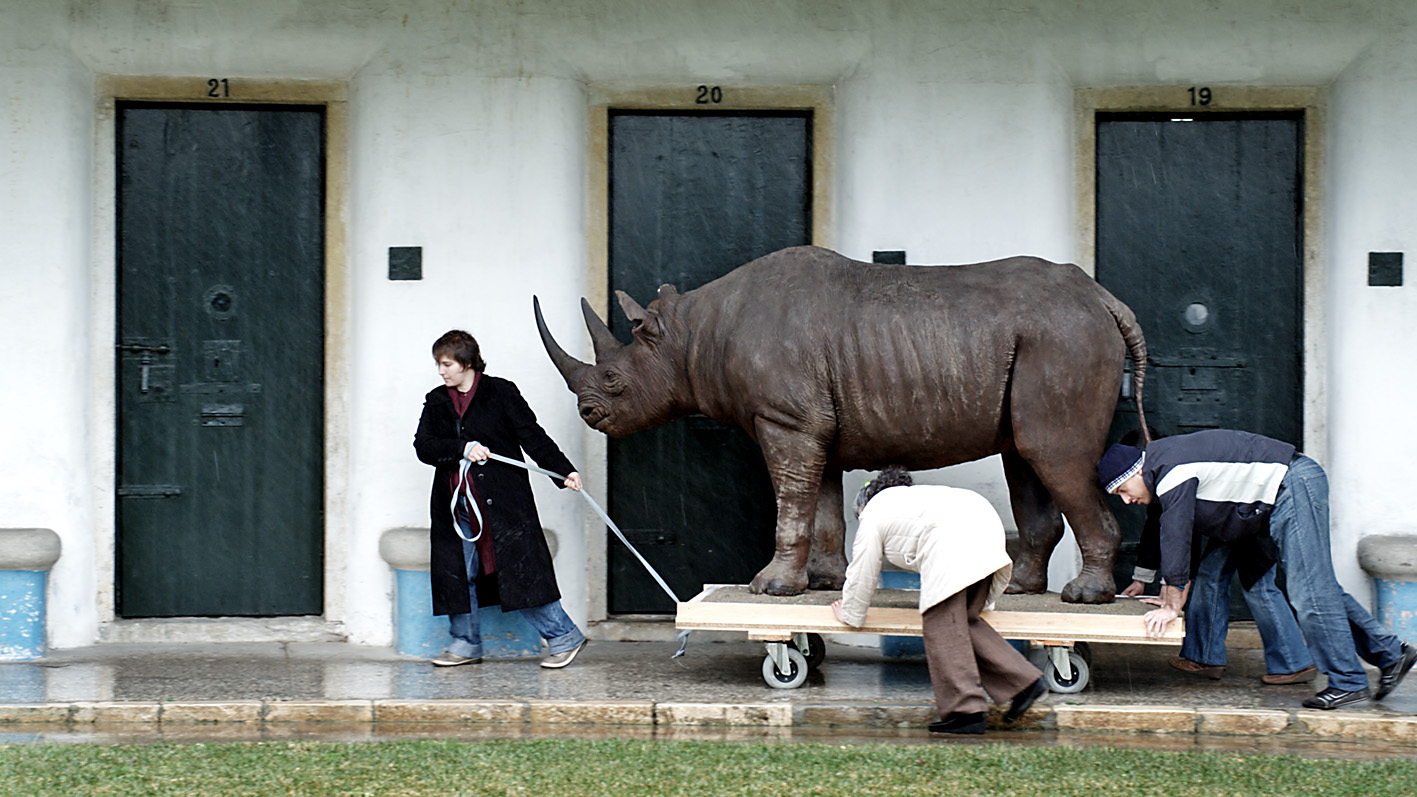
(1301,677)
(1211,671)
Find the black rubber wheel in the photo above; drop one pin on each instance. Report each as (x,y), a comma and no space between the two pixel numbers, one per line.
(817,650)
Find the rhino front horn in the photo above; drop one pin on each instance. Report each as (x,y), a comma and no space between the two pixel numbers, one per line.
(570,368)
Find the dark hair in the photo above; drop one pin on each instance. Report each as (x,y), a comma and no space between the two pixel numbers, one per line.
(1133,437)
(892,476)
(460,346)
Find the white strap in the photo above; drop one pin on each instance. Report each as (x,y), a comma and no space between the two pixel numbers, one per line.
(464,488)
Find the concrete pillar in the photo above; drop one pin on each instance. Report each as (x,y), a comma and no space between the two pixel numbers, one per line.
(417,632)
(25,558)
(1391,559)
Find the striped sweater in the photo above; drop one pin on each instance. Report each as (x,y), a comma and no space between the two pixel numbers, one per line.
(1218,482)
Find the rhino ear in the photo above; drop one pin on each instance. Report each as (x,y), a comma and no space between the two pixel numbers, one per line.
(632,308)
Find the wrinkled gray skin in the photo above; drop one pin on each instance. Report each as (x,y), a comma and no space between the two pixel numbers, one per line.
(832,364)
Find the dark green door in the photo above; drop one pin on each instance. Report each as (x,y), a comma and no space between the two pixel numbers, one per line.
(693,196)
(220,360)
(1199,232)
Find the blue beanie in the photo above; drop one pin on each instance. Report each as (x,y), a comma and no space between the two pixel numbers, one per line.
(1118,464)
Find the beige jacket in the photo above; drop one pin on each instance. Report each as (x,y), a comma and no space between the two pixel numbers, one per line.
(951,537)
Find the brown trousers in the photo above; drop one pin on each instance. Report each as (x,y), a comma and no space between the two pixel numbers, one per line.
(968,658)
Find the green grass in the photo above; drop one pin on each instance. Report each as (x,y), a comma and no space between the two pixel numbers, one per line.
(622,768)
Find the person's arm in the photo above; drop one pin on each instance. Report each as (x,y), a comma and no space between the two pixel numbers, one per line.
(1168,609)
(432,449)
(1148,553)
(535,441)
(861,574)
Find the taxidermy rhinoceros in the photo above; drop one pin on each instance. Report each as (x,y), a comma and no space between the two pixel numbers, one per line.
(832,364)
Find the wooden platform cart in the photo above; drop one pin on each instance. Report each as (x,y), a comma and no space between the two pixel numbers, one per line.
(1059,634)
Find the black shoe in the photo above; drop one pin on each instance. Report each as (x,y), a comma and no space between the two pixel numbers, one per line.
(959,723)
(1024,699)
(1393,675)
(1333,697)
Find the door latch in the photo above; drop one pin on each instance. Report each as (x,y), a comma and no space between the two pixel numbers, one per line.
(145,352)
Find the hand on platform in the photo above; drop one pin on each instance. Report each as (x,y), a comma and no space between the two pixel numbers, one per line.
(836,610)
(1134,589)
(1156,620)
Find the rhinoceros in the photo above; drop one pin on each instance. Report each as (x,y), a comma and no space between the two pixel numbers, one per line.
(831,364)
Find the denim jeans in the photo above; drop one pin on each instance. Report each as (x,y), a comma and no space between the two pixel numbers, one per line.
(549,619)
(1337,628)
(1208,617)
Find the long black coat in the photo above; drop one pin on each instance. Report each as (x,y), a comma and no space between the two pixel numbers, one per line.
(500,419)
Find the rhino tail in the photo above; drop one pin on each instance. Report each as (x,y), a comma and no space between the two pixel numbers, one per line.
(1136,348)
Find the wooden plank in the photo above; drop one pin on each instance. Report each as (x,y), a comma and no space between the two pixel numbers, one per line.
(770,620)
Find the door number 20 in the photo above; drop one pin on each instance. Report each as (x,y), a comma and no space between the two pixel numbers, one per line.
(708,95)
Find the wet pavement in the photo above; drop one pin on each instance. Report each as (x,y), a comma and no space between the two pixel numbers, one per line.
(340,692)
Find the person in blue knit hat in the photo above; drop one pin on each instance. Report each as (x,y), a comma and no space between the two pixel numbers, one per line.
(1240,487)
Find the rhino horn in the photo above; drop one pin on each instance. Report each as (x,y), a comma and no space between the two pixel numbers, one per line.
(605,342)
(632,308)
(570,368)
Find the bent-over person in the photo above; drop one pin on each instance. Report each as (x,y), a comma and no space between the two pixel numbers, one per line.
(954,539)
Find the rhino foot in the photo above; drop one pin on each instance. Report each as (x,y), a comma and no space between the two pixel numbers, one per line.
(827,572)
(1028,579)
(1090,588)
(778,580)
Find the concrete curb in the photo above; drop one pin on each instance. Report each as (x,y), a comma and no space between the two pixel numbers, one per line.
(1064,718)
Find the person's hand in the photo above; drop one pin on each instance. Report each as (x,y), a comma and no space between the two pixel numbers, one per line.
(476,452)
(836,610)
(1156,621)
(574,481)
(1151,600)
(1134,589)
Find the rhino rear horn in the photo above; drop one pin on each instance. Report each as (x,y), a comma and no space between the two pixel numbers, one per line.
(631,308)
(600,335)
(570,368)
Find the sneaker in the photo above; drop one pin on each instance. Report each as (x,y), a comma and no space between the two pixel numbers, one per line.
(1211,671)
(449,659)
(558,660)
(1393,675)
(1333,697)
(1283,679)
(959,723)
(1024,699)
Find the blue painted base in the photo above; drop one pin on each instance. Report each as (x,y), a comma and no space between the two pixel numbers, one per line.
(1397,607)
(901,647)
(22,614)
(418,632)
(912,647)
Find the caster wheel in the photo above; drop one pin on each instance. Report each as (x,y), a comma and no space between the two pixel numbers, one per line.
(1085,650)
(816,650)
(1055,680)
(796,670)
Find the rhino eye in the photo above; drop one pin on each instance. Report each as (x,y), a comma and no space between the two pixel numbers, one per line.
(614,383)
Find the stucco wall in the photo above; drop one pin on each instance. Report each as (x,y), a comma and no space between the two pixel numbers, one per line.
(467,137)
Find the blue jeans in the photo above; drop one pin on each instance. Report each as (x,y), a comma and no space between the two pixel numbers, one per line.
(1208,617)
(1337,628)
(549,619)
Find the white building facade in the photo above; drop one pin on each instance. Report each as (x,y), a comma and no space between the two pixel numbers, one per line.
(474,129)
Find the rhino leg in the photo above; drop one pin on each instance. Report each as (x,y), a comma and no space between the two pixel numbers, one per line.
(826,562)
(1040,526)
(795,461)
(1095,583)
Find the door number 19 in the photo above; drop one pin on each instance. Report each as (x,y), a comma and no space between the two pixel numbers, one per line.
(1200,95)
